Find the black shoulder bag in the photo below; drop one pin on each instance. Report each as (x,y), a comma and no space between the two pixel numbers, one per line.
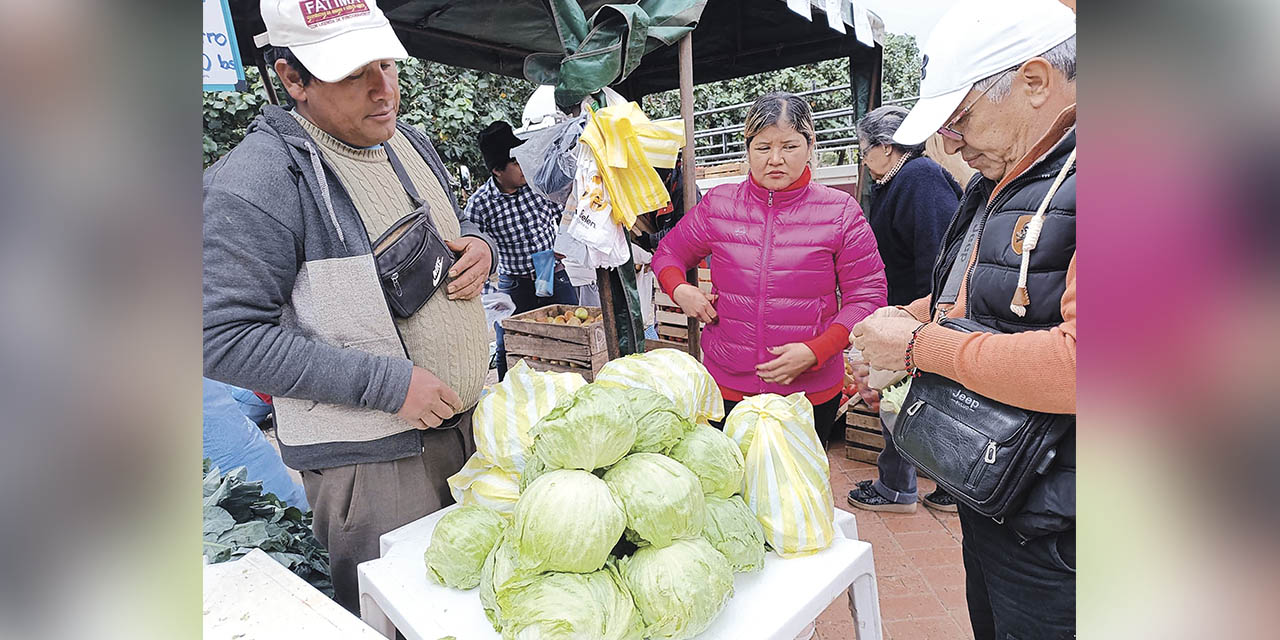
(983,452)
(411,257)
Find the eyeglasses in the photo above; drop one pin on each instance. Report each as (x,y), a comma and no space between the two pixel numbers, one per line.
(947,132)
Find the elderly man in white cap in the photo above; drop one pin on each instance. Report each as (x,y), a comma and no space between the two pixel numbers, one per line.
(998,82)
(373,397)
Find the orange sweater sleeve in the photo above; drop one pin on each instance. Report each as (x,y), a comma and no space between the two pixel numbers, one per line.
(1033,370)
(919,309)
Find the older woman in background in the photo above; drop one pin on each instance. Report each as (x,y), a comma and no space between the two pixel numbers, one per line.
(913,199)
(794,267)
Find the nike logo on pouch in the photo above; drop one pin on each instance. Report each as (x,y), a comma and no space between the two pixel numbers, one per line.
(435,275)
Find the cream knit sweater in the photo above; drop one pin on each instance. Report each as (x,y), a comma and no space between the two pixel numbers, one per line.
(446,337)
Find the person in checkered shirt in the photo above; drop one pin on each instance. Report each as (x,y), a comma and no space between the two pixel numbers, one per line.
(521,223)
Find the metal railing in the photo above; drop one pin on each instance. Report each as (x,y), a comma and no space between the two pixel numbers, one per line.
(724,144)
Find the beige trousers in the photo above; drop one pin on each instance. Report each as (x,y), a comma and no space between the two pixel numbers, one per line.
(354,505)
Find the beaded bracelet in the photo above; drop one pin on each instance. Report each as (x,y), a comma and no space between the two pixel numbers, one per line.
(910,364)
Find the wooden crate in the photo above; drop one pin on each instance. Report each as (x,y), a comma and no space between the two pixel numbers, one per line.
(556,347)
(862,436)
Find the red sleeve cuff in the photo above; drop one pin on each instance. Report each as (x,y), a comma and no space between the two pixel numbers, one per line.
(670,278)
(831,342)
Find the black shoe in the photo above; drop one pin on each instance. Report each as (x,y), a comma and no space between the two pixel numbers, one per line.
(940,500)
(864,496)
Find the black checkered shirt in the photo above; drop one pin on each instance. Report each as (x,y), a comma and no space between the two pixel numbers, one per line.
(522,223)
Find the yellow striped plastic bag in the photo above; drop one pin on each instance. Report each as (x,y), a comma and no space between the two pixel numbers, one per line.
(673,373)
(788,478)
(627,147)
(504,416)
(479,482)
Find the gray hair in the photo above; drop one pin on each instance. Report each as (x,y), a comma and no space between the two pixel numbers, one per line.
(780,108)
(879,125)
(1062,57)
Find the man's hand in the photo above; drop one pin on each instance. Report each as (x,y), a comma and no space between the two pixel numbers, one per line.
(793,359)
(472,268)
(889,312)
(695,302)
(429,402)
(883,341)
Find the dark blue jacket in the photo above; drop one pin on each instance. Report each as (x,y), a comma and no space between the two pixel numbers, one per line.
(909,216)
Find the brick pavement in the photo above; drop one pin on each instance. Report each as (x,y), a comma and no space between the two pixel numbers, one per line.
(918,566)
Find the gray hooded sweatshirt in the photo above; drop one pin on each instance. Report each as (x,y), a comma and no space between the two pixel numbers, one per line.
(292,302)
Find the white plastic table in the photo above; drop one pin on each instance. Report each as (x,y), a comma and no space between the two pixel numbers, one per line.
(257,597)
(775,603)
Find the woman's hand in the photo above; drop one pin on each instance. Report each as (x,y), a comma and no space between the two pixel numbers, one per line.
(793,359)
(861,371)
(695,302)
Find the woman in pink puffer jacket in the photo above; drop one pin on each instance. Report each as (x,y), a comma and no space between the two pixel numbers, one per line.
(794,266)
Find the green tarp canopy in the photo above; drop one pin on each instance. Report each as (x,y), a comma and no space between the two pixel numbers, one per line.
(734,37)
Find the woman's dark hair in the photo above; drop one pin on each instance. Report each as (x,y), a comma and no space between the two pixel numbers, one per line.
(780,108)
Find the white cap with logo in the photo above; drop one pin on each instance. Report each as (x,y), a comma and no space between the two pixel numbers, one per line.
(973,40)
(332,38)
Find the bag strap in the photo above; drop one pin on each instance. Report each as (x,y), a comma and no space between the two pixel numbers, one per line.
(1020,296)
(403,176)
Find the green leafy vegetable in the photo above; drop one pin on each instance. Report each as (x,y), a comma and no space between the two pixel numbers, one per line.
(572,606)
(735,532)
(659,424)
(461,541)
(567,520)
(239,518)
(679,589)
(593,429)
(714,457)
(662,499)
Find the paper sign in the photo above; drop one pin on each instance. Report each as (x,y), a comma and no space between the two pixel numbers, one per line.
(221,58)
(833,15)
(801,7)
(862,24)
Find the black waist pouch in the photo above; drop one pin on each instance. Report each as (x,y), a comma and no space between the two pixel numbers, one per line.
(412,258)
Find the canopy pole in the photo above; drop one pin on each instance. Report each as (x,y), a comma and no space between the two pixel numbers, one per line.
(689,176)
(266,82)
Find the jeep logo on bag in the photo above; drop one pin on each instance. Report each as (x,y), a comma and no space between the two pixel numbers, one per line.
(965,399)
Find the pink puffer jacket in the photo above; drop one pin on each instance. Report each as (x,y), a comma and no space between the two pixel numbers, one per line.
(777,261)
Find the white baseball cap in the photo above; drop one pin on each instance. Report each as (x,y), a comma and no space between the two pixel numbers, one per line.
(973,40)
(332,38)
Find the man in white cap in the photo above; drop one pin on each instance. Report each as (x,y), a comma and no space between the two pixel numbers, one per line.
(998,82)
(373,409)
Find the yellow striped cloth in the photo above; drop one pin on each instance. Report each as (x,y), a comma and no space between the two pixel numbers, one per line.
(788,478)
(627,147)
(673,373)
(504,417)
(479,482)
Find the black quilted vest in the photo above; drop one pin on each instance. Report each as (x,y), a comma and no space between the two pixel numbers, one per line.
(1050,504)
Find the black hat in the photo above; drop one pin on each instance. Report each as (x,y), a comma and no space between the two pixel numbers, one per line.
(496,142)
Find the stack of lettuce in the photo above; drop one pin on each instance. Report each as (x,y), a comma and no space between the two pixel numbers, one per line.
(629,523)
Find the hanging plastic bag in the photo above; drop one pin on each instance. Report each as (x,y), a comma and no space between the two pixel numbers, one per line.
(503,418)
(544,273)
(592,220)
(550,158)
(673,373)
(788,478)
(481,483)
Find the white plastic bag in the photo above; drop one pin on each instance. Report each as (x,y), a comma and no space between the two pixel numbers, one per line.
(788,478)
(481,483)
(503,418)
(592,220)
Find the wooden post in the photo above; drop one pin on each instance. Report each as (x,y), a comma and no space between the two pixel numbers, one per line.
(266,82)
(690,175)
(610,319)
(862,104)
